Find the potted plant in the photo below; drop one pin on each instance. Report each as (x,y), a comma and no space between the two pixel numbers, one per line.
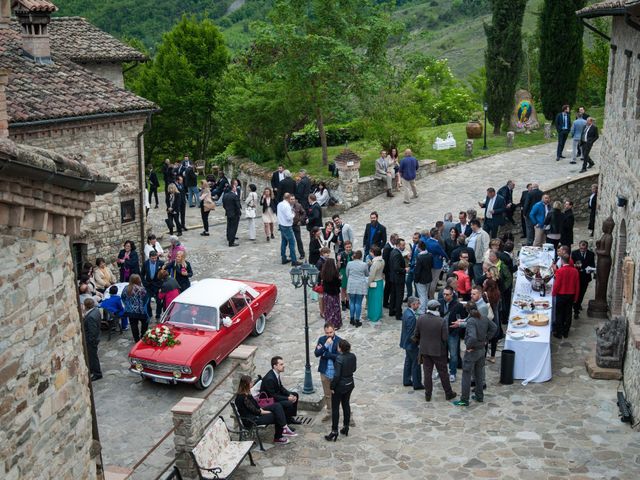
(474,127)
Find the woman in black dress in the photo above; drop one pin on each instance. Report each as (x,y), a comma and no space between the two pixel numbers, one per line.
(315,244)
(128,261)
(341,387)
(251,413)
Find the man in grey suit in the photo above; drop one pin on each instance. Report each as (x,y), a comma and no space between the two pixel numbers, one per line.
(383,173)
(92,319)
(431,335)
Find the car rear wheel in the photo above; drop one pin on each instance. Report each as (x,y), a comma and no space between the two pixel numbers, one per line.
(258,328)
(206,377)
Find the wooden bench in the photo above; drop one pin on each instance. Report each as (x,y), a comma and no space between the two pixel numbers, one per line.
(216,455)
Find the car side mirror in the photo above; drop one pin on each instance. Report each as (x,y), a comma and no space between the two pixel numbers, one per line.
(226,321)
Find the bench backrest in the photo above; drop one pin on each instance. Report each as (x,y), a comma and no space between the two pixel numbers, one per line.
(212,444)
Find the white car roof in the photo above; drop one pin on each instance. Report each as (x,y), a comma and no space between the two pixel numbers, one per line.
(213,292)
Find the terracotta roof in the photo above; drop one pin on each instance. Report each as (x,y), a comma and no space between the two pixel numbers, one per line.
(34,6)
(80,41)
(601,9)
(58,90)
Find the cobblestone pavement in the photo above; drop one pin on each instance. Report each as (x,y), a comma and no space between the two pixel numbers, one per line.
(565,428)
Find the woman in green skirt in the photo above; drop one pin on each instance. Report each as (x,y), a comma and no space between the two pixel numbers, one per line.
(345,257)
(376,285)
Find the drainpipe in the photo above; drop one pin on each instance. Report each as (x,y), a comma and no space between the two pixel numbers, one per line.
(147,127)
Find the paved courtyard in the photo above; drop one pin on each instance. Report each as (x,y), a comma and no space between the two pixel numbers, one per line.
(565,428)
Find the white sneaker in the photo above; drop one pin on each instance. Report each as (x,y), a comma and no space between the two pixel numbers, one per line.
(452,378)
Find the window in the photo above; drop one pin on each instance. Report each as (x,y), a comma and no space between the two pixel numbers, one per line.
(127,211)
(238,301)
(612,69)
(627,73)
(183,314)
(226,310)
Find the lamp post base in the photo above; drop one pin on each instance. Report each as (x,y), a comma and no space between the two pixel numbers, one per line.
(308,381)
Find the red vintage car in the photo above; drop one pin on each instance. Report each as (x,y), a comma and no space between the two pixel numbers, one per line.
(209,319)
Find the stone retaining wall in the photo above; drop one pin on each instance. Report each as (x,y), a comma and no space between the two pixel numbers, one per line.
(370,187)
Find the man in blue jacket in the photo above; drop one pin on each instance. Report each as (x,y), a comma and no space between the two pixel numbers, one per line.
(494,210)
(563,126)
(327,350)
(537,216)
(411,375)
(408,172)
(439,256)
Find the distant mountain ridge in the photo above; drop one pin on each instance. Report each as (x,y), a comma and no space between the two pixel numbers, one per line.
(443,28)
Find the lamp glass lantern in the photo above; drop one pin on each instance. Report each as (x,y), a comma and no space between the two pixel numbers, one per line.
(296,276)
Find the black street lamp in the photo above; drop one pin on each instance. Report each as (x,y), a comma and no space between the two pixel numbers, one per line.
(305,276)
(485,107)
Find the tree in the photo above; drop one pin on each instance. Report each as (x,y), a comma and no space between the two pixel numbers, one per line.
(503,58)
(592,87)
(325,51)
(184,78)
(561,56)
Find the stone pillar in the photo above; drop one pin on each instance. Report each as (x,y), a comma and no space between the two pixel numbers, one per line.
(348,165)
(244,356)
(468,148)
(189,421)
(510,137)
(547,130)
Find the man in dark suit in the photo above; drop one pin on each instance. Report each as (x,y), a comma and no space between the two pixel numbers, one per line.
(182,191)
(593,204)
(276,178)
(523,199)
(422,275)
(92,319)
(589,137)
(432,334)
(386,254)
(221,186)
(563,126)
(411,375)
(533,197)
(287,185)
(314,213)
(374,234)
(463,227)
(506,192)
(568,221)
(303,189)
(150,270)
(494,211)
(583,258)
(397,274)
(233,212)
(154,183)
(272,386)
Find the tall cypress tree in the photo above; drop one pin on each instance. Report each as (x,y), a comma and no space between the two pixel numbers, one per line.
(503,58)
(561,58)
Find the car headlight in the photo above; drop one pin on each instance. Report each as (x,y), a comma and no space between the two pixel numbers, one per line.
(138,367)
(177,374)
(185,370)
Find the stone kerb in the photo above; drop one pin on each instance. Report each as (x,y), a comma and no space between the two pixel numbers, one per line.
(192,415)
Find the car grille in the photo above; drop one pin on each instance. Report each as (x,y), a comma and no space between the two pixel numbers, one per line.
(160,367)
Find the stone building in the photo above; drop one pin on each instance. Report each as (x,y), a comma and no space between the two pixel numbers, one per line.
(45,396)
(619,184)
(65,94)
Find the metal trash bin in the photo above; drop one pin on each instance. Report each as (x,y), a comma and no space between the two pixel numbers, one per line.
(506,367)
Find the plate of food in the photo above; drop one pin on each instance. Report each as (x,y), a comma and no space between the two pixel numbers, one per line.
(538,319)
(531,334)
(523,304)
(519,322)
(542,304)
(515,335)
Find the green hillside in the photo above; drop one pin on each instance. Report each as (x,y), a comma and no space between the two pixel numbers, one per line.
(442,28)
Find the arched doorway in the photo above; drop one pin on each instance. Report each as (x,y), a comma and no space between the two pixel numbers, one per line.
(621,251)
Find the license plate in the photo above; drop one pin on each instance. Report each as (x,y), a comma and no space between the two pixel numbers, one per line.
(160,380)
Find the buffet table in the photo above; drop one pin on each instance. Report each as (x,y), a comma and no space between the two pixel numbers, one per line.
(531,344)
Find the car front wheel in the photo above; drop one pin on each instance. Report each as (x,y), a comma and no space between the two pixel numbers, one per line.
(206,377)
(258,328)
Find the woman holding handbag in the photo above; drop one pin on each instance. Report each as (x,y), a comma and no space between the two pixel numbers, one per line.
(341,387)
(268,204)
(250,204)
(206,205)
(251,413)
(128,261)
(181,270)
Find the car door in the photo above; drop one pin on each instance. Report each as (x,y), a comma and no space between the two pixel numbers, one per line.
(244,314)
(228,334)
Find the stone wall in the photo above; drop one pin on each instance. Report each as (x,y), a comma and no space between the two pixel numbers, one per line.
(110,148)
(619,176)
(112,71)
(45,404)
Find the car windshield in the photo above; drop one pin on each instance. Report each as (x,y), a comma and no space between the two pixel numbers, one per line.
(183,314)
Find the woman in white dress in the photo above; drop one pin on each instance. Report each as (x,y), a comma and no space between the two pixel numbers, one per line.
(251,203)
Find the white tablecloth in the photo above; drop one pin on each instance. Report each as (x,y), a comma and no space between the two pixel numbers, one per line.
(533,355)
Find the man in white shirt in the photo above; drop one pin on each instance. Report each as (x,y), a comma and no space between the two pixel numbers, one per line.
(479,241)
(285,225)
